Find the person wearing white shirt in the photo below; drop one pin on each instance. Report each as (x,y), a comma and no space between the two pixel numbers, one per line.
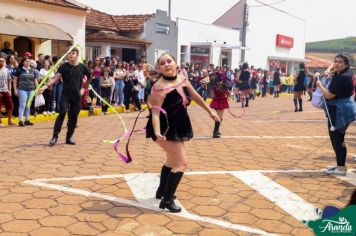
(47,93)
(141,79)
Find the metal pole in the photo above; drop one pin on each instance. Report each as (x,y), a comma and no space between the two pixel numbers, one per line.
(169,8)
(244,31)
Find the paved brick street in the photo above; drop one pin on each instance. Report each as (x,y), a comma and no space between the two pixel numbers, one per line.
(249,182)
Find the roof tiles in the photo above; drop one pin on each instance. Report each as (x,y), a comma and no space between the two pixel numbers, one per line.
(100,20)
(314,62)
(125,23)
(113,37)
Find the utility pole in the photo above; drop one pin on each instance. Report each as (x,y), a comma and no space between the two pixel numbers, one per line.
(244,31)
(169,8)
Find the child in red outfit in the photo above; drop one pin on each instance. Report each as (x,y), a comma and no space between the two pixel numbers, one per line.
(219,103)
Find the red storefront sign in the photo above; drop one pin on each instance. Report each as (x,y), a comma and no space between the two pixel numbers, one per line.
(284,41)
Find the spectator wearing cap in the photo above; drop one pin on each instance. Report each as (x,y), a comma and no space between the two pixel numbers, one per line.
(5,90)
(24,83)
(28,54)
(7,50)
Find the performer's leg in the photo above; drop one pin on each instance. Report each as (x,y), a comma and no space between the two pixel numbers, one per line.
(216,132)
(162,182)
(295,100)
(73,113)
(63,108)
(300,103)
(177,159)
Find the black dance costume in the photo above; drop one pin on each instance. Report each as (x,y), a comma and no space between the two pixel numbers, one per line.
(180,128)
(299,86)
(244,80)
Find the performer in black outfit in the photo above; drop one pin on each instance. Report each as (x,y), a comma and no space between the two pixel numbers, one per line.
(244,84)
(276,82)
(172,92)
(299,87)
(72,73)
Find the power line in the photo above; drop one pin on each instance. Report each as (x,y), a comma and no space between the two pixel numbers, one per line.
(277,9)
(270,4)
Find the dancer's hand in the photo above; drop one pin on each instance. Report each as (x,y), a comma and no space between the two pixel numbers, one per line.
(82,91)
(214,116)
(42,89)
(160,137)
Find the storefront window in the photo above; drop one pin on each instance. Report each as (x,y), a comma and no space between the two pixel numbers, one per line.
(183,53)
(200,55)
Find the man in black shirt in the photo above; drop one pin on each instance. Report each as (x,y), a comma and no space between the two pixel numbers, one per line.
(72,73)
(7,50)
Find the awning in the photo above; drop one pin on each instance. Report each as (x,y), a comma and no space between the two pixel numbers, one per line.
(286,59)
(31,29)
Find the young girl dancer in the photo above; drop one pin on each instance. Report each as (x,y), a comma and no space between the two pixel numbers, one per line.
(219,103)
(244,84)
(171,93)
(299,87)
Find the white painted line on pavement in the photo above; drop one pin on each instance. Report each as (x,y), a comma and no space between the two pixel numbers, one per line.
(309,148)
(276,121)
(137,182)
(263,137)
(84,178)
(144,185)
(350,177)
(276,193)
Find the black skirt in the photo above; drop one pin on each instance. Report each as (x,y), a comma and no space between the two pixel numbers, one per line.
(244,85)
(299,88)
(180,128)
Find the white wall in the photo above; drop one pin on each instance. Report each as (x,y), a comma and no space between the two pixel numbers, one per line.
(196,32)
(264,24)
(70,21)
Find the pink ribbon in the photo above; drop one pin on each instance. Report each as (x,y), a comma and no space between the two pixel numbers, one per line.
(237,116)
(127,158)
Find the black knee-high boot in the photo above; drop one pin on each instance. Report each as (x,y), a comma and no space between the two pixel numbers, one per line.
(219,128)
(216,130)
(300,104)
(295,104)
(246,105)
(162,182)
(171,187)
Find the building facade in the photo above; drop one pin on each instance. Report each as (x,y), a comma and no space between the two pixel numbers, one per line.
(162,32)
(130,37)
(272,38)
(48,27)
(108,35)
(207,44)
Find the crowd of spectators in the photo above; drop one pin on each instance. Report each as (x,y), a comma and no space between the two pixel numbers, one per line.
(117,81)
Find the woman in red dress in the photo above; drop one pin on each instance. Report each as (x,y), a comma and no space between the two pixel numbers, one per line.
(219,103)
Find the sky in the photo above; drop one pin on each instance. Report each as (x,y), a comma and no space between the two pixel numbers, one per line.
(326,19)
